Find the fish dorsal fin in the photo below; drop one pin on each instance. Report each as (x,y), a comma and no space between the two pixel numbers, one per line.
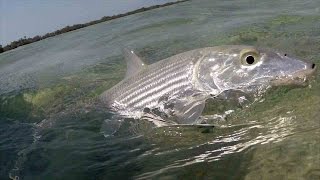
(134,63)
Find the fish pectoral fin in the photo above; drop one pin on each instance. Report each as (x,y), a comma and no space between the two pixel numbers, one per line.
(134,63)
(188,112)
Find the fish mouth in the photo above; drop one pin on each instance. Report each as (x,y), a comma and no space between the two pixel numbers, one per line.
(299,78)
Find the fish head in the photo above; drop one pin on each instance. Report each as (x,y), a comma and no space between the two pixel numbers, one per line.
(253,70)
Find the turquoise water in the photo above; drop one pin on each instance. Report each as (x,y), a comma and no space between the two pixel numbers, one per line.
(52,128)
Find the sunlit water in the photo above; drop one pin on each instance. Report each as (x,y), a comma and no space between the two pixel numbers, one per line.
(52,128)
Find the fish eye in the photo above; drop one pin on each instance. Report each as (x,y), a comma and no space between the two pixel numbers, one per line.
(249,57)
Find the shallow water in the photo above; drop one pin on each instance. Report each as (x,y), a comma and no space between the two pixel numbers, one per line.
(51,127)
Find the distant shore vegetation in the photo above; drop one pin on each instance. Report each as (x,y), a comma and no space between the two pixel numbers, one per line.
(25,40)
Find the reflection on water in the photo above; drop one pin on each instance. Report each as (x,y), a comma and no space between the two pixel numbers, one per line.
(52,128)
(238,139)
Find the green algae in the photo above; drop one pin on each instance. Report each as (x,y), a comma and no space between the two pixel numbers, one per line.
(34,105)
(15,107)
(286,19)
(48,96)
(162,25)
(249,35)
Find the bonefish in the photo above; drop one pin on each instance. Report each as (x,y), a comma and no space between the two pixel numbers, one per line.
(174,90)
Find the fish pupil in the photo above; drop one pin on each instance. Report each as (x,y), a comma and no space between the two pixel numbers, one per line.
(250,59)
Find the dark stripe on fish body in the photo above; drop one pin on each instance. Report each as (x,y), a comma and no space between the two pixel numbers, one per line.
(155,94)
(145,79)
(143,89)
(153,91)
(152,86)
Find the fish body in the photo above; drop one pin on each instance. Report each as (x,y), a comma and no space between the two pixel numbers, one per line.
(174,90)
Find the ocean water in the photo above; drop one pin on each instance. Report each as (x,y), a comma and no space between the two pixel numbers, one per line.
(52,128)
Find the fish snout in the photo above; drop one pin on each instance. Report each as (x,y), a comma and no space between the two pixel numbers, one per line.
(306,74)
(309,71)
(300,77)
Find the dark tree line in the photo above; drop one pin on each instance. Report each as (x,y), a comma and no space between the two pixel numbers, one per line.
(25,40)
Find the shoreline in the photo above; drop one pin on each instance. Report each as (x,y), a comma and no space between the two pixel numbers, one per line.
(25,40)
